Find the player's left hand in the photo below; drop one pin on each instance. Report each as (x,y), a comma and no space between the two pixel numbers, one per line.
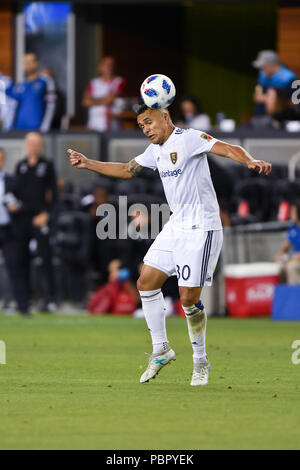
(263,168)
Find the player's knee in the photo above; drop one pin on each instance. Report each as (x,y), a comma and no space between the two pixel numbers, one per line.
(189,297)
(142,284)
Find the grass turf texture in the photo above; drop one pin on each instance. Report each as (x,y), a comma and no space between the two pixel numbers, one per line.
(73,383)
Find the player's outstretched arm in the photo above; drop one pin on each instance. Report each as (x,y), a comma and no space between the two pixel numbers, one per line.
(115,170)
(239,154)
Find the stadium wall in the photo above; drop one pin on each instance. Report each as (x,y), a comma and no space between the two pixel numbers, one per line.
(6,40)
(289,37)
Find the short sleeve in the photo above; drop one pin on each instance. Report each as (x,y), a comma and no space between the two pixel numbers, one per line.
(147,159)
(198,142)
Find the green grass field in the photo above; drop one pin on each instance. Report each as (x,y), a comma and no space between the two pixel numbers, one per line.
(73,383)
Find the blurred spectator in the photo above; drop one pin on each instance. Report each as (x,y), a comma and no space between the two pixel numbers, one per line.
(8,105)
(191,114)
(9,205)
(37,192)
(63,186)
(279,110)
(272,74)
(279,107)
(60,101)
(102,251)
(135,247)
(36,98)
(100,97)
(289,254)
(118,295)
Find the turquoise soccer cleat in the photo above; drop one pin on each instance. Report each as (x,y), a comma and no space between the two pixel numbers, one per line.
(156,363)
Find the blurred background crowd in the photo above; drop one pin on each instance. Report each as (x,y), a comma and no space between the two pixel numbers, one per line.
(37,104)
(75,68)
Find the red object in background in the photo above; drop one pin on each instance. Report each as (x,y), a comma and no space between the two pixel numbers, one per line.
(250,296)
(243,209)
(124,304)
(112,298)
(283,211)
(178,308)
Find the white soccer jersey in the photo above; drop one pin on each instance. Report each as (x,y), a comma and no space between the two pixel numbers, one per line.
(184,172)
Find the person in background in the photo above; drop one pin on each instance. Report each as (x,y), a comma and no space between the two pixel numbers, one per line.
(102,252)
(119,272)
(289,253)
(192,114)
(60,100)
(9,206)
(100,96)
(37,192)
(119,295)
(279,107)
(272,74)
(36,98)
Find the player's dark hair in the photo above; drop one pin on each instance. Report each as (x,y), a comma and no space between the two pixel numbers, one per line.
(141,109)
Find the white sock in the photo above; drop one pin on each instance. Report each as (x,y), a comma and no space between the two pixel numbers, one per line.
(154,311)
(196,320)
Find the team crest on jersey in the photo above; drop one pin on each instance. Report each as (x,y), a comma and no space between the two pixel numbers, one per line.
(174,157)
(23,168)
(206,137)
(41,170)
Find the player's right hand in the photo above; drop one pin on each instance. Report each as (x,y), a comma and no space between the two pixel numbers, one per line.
(77,159)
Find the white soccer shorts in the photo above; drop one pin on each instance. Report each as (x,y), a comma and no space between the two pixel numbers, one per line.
(191,255)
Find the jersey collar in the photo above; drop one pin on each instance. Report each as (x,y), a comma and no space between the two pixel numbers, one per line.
(170,137)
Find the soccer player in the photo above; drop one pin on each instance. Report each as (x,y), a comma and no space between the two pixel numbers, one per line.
(190,242)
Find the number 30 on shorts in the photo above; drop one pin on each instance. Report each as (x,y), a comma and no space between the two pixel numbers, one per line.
(185,272)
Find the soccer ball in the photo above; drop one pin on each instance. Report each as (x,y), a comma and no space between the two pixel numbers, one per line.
(158,91)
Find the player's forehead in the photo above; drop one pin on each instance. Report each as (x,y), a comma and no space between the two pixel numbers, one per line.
(147,115)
